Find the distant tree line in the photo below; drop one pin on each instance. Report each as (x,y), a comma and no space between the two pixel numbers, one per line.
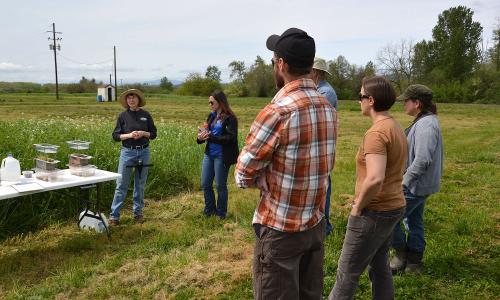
(85,85)
(455,63)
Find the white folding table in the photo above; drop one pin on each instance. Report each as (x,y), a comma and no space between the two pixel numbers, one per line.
(65,180)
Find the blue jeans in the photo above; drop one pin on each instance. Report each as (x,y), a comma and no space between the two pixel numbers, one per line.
(130,157)
(413,222)
(366,244)
(329,227)
(214,167)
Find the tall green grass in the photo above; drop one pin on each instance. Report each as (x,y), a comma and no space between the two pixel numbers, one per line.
(174,154)
(179,254)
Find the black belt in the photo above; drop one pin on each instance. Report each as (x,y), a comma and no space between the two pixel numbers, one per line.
(137,147)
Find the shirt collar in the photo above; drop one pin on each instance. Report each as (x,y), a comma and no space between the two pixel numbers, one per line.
(303,83)
(322,82)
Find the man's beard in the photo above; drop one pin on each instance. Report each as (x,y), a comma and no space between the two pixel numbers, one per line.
(279,80)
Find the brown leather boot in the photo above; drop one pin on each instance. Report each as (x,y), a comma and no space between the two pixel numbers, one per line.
(139,219)
(414,263)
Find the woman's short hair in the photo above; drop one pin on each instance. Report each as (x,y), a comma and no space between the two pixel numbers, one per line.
(381,91)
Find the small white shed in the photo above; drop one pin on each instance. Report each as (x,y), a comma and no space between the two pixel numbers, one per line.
(106,93)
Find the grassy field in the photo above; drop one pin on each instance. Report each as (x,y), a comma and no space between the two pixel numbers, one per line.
(179,254)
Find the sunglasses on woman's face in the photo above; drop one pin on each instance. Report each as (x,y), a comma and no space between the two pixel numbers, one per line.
(211,102)
(361,97)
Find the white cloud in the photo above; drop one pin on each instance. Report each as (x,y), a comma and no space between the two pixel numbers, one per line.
(90,67)
(12,67)
(171,38)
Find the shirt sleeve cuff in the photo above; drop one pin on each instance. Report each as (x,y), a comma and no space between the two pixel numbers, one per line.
(242,181)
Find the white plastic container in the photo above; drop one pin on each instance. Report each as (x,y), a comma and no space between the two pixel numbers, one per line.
(49,176)
(83,171)
(10,169)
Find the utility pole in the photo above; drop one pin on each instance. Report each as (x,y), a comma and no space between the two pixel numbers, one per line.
(116,85)
(55,46)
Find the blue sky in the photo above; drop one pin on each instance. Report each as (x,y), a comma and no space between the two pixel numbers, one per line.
(174,38)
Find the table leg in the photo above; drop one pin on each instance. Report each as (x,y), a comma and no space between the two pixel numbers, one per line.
(97,210)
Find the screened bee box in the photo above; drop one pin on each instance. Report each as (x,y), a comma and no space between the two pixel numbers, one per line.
(78,145)
(43,161)
(78,159)
(46,148)
(47,164)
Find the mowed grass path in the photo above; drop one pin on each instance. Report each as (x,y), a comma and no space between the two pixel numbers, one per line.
(179,254)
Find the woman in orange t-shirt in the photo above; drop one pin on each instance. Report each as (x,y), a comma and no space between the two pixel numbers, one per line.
(378,203)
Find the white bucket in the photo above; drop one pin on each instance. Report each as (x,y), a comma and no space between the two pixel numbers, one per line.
(10,169)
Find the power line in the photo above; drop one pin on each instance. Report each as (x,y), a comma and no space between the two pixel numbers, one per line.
(56,46)
(87,64)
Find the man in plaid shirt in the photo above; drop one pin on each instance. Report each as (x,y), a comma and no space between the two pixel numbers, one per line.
(289,153)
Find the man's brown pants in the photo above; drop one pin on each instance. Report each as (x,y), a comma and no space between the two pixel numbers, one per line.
(288,265)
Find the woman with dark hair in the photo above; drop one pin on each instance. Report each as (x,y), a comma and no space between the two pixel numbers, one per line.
(378,201)
(221,134)
(421,179)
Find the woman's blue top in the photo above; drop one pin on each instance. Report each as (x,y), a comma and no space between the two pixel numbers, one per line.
(214,150)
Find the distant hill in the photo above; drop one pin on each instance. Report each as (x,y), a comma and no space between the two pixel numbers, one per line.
(157,82)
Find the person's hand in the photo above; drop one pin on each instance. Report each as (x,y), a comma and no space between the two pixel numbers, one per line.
(137,134)
(355,211)
(142,133)
(200,134)
(203,135)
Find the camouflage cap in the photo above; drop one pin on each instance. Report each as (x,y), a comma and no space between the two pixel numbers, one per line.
(416,91)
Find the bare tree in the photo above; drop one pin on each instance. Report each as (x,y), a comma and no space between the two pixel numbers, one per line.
(396,62)
(213,73)
(238,70)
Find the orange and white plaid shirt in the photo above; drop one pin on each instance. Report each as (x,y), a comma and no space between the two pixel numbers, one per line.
(289,152)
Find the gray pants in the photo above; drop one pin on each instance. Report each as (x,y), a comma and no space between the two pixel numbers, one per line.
(366,244)
(287,265)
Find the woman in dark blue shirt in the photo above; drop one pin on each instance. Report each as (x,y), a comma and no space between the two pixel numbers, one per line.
(221,134)
(134,128)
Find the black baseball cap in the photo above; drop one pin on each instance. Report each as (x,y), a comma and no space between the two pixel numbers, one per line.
(294,46)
